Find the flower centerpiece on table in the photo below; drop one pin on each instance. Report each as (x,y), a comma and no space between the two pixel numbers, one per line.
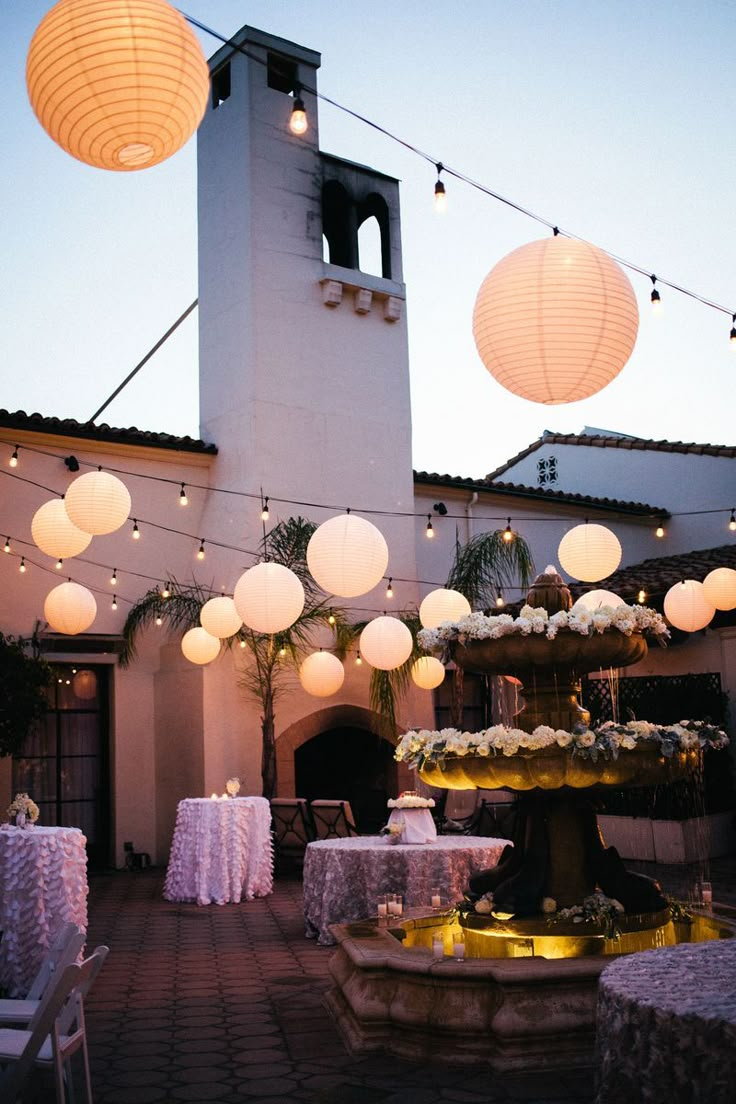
(410,799)
(393,832)
(23,810)
(233,787)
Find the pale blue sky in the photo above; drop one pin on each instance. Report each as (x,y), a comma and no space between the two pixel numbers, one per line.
(614,120)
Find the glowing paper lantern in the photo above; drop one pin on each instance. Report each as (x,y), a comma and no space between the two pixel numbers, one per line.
(269,597)
(555,321)
(443,605)
(220,618)
(199,647)
(84,685)
(589,552)
(686,606)
(321,674)
(720,588)
(594,599)
(347,555)
(386,643)
(70,608)
(428,672)
(55,533)
(97,502)
(118,84)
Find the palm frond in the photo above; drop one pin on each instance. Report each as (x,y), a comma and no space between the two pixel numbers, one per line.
(488,562)
(387,688)
(179,611)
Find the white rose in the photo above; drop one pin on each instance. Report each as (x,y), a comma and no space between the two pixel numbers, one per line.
(562,738)
(549,905)
(484,906)
(585,739)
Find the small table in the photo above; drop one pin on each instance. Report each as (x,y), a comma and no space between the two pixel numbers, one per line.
(43,872)
(221,852)
(343,877)
(417,825)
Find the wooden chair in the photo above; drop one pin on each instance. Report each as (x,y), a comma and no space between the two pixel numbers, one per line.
(65,948)
(292,830)
(332,819)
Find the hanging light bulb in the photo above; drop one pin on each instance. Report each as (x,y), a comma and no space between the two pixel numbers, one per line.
(22,567)
(390,589)
(136,530)
(358,660)
(59,564)
(655,298)
(159,620)
(282,651)
(114,577)
(264,509)
(200,550)
(641,596)
(331,619)
(659,531)
(242,644)
(440,195)
(732,522)
(165,592)
(508,533)
(114,602)
(429,530)
(298,121)
(7,544)
(183,500)
(13,461)
(732,337)
(499,599)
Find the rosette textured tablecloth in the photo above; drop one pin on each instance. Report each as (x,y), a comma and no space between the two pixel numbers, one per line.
(343,877)
(43,871)
(221,852)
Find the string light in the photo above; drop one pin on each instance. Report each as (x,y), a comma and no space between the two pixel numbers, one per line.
(183,500)
(242,644)
(655,298)
(732,337)
(136,530)
(59,564)
(7,544)
(165,592)
(298,123)
(330,620)
(508,533)
(390,589)
(282,651)
(358,660)
(641,596)
(732,522)
(13,461)
(429,530)
(499,599)
(159,620)
(22,567)
(440,195)
(114,577)
(114,602)
(200,551)
(659,531)
(264,509)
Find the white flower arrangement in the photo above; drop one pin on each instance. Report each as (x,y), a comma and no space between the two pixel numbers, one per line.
(393,831)
(410,800)
(22,803)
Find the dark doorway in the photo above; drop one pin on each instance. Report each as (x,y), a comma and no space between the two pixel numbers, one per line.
(349,764)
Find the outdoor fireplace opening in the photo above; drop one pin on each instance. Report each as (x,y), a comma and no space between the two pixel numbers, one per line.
(349,764)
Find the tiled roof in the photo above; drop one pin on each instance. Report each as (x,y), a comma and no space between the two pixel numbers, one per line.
(657,575)
(70,427)
(636,444)
(612,505)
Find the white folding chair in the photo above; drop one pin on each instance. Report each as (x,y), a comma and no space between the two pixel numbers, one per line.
(65,949)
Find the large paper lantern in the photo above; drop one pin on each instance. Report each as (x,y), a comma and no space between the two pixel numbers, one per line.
(386,643)
(98,502)
(269,597)
(84,685)
(443,605)
(70,608)
(589,552)
(719,588)
(347,555)
(119,84)
(55,533)
(199,647)
(594,599)
(686,606)
(555,321)
(220,618)
(428,672)
(321,674)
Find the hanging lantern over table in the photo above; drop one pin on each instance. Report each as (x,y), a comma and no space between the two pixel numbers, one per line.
(199,647)
(555,321)
(269,597)
(220,618)
(428,672)
(686,606)
(118,84)
(321,674)
(589,552)
(594,599)
(386,643)
(719,587)
(55,533)
(347,555)
(441,605)
(97,502)
(70,608)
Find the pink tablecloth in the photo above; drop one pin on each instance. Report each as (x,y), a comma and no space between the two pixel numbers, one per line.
(43,872)
(221,851)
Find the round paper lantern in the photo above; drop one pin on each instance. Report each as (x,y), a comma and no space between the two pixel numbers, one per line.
(84,685)
(220,618)
(555,321)
(269,597)
(589,552)
(719,587)
(428,672)
(443,605)
(594,599)
(347,555)
(686,606)
(386,643)
(118,84)
(55,533)
(199,647)
(70,608)
(321,674)
(97,502)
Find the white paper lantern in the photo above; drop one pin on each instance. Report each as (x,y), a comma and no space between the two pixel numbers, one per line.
(220,618)
(321,674)
(347,555)
(428,672)
(719,587)
(70,608)
(55,533)
(555,320)
(443,605)
(589,552)
(686,606)
(269,597)
(98,502)
(386,643)
(199,646)
(84,685)
(594,599)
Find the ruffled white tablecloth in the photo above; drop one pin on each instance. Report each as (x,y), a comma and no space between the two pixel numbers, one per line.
(418,825)
(343,877)
(222,851)
(43,871)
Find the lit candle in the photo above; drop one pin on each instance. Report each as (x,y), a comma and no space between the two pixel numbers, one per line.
(436,900)
(438,946)
(213,797)
(707,895)
(382,908)
(458,948)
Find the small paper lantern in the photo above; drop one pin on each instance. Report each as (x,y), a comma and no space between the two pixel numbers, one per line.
(220,618)
(199,647)
(686,606)
(347,555)
(321,674)
(97,502)
(594,599)
(555,321)
(118,84)
(428,672)
(443,605)
(719,587)
(55,533)
(269,597)
(589,552)
(386,643)
(70,608)
(84,685)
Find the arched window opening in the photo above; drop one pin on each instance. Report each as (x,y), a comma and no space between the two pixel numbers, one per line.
(372,210)
(370,259)
(338,225)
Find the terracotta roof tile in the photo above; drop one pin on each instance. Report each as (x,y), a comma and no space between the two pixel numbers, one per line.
(657,575)
(70,427)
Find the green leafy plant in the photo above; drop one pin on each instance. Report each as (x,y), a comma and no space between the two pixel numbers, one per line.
(24,682)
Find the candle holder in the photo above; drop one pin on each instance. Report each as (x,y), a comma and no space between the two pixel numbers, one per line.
(435,899)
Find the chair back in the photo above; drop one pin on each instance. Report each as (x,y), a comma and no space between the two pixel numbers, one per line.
(291,822)
(72,1011)
(495,819)
(332,819)
(65,948)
